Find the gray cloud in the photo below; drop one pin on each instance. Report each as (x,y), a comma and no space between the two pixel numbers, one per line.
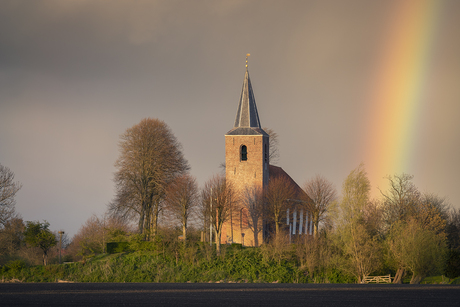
(74,75)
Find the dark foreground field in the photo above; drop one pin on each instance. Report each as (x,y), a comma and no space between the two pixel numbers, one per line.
(150,294)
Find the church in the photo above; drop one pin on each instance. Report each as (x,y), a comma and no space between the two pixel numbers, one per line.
(247,168)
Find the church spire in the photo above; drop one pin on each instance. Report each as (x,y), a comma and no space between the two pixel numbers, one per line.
(247,116)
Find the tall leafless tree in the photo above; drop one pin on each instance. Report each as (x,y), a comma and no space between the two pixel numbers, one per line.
(219,199)
(253,201)
(150,158)
(181,200)
(400,203)
(274,153)
(8,190)
(277,195)
(322,195)
(401,198)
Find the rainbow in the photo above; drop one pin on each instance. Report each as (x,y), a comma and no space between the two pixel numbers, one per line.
(396,94)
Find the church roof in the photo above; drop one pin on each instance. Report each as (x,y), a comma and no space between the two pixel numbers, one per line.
(276,171)
(247,118)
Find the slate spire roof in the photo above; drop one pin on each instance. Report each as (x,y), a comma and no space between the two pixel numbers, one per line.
(247,115)
(247,118)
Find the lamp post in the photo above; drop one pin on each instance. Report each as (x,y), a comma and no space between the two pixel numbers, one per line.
(60,244)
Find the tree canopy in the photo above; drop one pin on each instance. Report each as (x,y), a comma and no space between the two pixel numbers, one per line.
(38,234)
(150,158)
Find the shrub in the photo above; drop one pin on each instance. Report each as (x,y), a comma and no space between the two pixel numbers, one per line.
(453,264)
(117,247)
(16,265)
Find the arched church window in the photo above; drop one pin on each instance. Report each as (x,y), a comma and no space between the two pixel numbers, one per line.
(244,153)
(266,153)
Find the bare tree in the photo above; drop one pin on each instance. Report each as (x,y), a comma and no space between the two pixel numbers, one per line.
(401,198)
(274,154)
(277,195)
(219,198)
(150,158)
(94,234)
(181,200)
(253,201)
(8,190)
(322,195)
(11,238)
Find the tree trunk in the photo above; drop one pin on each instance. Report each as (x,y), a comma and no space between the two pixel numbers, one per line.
(184,232)
(141,222)
(155,221)
(217,233)
(400,273)
(416,279)
(315,226)
(256,235)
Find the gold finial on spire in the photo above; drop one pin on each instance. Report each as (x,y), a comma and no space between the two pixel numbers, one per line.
(247,56)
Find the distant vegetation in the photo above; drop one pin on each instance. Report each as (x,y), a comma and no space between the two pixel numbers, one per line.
(167,260)
(155,226)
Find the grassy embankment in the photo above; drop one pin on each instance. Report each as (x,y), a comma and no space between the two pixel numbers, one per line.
(196,263)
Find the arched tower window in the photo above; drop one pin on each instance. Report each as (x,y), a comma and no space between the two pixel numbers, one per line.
(244,153)
(266,153)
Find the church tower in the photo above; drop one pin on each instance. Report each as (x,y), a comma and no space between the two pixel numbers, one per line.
(246,161)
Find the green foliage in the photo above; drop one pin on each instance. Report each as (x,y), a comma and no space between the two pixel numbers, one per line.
(16,265)
(137,242)
(421,251)
(440,279)
(337,276)
(117,247)
(37,234)
(456,281)
(453,264)
(174,262)
(355,236)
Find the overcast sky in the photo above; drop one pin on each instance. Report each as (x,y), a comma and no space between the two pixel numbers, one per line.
(74,75)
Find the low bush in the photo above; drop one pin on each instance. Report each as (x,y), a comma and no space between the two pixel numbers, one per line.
(453,264)
(117,247)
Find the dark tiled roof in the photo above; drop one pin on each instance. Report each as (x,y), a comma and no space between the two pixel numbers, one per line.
(276,171)
(246,131)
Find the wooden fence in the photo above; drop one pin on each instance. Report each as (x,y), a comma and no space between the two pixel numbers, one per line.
(377,279)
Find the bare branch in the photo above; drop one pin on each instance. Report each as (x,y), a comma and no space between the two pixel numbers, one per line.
(322,194)
(8,190)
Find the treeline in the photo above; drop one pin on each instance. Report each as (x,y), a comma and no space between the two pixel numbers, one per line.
(159,209)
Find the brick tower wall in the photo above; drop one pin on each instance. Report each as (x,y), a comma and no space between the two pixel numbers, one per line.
(245,174)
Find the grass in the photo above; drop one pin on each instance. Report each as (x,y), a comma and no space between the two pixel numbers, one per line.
(196,263)
(199,265)
(441,279)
